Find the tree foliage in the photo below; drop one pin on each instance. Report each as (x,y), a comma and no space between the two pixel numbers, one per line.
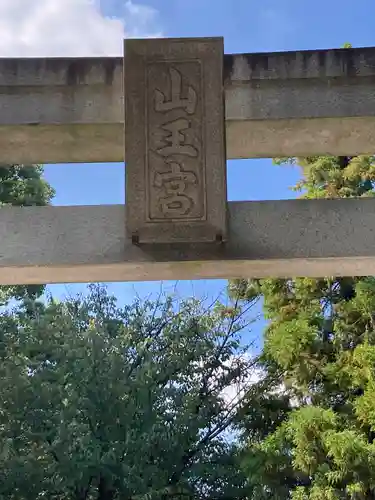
(102,402)
(23,186)
(310,433)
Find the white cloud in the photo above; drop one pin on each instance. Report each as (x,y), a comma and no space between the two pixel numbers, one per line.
(70,28)
(236,391)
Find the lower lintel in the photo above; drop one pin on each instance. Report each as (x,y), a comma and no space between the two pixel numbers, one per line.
(271,238)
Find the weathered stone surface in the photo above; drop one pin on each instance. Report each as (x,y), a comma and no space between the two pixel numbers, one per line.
(175,141)
(267,238)
(302,103)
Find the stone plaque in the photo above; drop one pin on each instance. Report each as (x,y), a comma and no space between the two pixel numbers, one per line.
(175,140)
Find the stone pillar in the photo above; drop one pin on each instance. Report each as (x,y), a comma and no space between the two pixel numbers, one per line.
(175,141)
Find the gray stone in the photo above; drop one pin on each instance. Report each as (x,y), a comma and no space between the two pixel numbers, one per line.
(175,140)
(303,103)
(267,238)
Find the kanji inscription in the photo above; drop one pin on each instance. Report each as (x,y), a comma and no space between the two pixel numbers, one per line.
(174,141)
(176,172)
(189,103)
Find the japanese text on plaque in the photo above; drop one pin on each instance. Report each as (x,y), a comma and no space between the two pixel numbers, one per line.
(175,156)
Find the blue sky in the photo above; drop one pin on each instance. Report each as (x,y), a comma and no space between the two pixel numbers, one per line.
(247,26)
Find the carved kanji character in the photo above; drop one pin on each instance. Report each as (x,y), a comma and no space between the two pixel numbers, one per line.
(176,101)
(176,139)
(176,203)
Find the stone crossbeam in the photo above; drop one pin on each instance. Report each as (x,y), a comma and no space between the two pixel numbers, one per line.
(273,238)
(277,104)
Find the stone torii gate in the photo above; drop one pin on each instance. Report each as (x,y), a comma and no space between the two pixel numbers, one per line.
(188,109)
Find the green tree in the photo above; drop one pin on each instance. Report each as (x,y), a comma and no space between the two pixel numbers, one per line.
(107,403)
(309,426)
(23,186)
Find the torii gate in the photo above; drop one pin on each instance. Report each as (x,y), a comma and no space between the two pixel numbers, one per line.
(177,223)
